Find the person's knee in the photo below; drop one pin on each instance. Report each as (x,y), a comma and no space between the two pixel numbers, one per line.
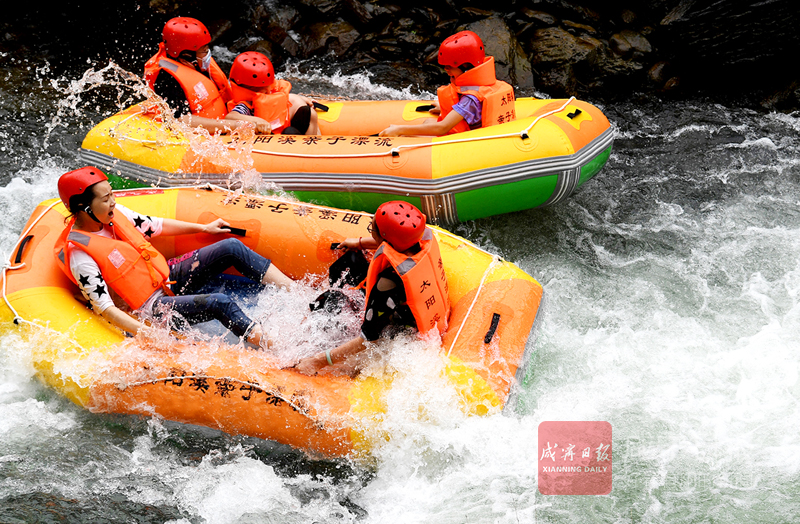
(233,243)
(214,301)
(233,246)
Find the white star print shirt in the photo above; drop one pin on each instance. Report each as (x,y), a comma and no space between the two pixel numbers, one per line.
(87,272)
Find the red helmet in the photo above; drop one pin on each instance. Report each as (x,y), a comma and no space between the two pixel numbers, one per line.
(184,34)
(400,223)
(252,69)
(76,182)
(465,47)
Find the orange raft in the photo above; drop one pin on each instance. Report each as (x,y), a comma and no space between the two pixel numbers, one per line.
(240,391)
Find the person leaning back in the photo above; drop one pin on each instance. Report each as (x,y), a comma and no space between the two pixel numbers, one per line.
(105,251)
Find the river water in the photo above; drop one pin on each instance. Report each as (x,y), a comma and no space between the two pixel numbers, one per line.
(672,311)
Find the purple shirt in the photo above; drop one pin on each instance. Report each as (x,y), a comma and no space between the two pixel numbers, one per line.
(242,109)
(471,109)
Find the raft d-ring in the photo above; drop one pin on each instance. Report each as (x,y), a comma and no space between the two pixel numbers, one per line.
(395,160)
(526,142)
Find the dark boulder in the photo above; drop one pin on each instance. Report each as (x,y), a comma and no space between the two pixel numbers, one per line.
(337,37)
(511,62)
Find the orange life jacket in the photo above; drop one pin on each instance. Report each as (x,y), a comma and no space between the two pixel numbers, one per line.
(206,97)
(496,96)
(272,107)
(423,279)
(130,265)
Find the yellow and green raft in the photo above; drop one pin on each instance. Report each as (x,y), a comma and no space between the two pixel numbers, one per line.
(540,158)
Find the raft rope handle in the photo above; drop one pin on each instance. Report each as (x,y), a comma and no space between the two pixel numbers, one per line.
(495,261)
(394,151)
(7,266)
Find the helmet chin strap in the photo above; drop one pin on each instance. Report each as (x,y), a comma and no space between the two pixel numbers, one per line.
(88,211)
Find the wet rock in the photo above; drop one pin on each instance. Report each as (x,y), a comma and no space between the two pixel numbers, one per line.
(428,16)
(512,64)
(659,73)
(406,32)
(558,81)
(557,57)
(401,76)
(219,28)
(619,45)
(678,12)
(576,28)
(338,37)
(267,48)
(323,6)
(477,13)
(275,24)
(784,99)
(610,67)
(574,46)
(376,11)
(629,43)
(555,45)
(628,17)
(357,9)
(540,17)
(672,84)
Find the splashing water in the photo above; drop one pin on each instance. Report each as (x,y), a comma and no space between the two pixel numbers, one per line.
(673,291)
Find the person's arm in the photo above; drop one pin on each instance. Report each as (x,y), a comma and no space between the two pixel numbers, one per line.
(121,320)
(426,129)
(172,93)
(212,125)
(311,365)
(358,243)
(262,126)
(172,227)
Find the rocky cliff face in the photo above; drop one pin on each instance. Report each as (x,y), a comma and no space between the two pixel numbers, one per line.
(590,48)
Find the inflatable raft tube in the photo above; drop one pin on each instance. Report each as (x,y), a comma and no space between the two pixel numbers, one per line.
(240,391)
(551,149)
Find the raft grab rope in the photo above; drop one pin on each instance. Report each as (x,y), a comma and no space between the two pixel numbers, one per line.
(8,266)
(495,261)
(394,152)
